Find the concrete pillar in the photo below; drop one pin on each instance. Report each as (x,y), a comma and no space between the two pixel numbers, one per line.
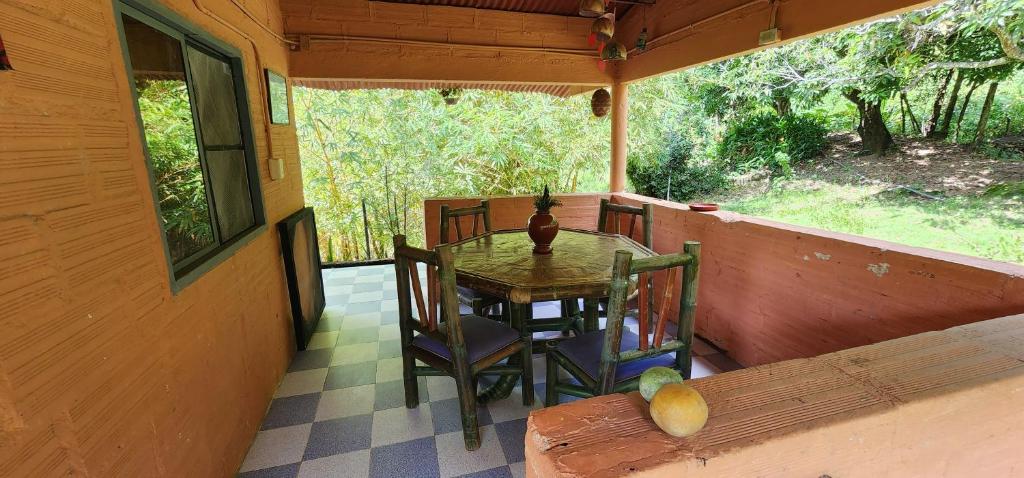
(620,113)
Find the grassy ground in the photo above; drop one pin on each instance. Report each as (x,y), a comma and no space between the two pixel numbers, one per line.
(984,223)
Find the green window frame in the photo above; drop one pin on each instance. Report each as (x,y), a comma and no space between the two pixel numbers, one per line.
(197,44)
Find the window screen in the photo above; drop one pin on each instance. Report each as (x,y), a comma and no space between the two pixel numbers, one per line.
(199,153)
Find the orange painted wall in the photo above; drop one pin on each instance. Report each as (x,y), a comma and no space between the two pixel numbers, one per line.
(103,371)
(771,291)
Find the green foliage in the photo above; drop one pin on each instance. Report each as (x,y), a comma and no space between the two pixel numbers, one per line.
(173,151)
(675,174)
(768,142)
(545,202)
(991,227)
(395,148)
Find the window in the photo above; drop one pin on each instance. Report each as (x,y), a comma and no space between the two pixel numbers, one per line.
(194,116)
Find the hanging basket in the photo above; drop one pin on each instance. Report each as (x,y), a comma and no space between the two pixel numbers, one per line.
(601,102)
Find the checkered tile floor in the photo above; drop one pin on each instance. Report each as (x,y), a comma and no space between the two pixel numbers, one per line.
(340,409)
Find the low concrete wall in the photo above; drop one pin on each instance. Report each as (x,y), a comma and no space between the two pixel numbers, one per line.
(934,404)
(771,291)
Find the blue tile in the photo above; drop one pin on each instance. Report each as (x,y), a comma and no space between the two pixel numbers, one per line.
(311,359)
(357,336)
(448,417)
(411,459)
(388,318)
(512,435)
(390,294)
(392,394)
(361,307)
(341,435)
(499,472)
(344,376)
(389,349)
(288,411)
(283,471)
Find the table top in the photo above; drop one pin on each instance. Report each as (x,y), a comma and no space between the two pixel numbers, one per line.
(502,263)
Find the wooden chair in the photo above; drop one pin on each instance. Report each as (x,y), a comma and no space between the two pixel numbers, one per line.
(481,214)
(463,347)
(609,220)
(611,360)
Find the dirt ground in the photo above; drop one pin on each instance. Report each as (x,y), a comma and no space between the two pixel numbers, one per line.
(931,166)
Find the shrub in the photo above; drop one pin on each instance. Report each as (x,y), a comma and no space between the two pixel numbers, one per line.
(768,142)
(676,172)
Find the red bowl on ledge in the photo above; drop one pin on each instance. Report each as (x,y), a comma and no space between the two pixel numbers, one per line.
(704,206)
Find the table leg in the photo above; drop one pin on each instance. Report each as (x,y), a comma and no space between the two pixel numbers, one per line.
(590,311)
(505,384)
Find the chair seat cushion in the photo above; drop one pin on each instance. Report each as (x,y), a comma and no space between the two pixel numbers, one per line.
(585,352)
(483,338)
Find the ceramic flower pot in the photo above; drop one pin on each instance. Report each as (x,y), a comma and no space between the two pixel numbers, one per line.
(542,228)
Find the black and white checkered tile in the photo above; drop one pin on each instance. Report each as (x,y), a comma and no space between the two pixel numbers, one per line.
(340,409)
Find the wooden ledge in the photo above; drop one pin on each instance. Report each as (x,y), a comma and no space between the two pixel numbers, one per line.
(935,404)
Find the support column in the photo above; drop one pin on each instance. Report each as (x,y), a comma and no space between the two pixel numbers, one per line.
(620,112)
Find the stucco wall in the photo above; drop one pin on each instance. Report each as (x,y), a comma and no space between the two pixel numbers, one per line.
(771,291)
(103,371)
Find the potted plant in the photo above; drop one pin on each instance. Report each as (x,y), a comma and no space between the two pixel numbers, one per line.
(543,227)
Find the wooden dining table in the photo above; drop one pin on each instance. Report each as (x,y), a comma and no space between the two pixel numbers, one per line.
(502,264)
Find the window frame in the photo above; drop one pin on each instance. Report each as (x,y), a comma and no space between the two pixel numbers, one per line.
(154,15)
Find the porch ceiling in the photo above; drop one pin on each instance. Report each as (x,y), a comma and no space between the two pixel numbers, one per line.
(553,89)
(537,45)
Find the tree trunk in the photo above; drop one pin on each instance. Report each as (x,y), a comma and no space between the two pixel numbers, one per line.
(910,111)
(986,111)
(943,130)
(874,134)
(963,109)
(783,106)
(929,130)
(903,119)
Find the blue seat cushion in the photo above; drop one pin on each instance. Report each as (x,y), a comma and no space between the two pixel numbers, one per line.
(483,337)
(585,352)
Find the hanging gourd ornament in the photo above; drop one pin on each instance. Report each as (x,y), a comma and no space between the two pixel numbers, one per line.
(601,102)
(592,8)
(603,29)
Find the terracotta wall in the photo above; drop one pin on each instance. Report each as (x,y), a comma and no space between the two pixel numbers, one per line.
(936,404)
(771,291)
(103,371)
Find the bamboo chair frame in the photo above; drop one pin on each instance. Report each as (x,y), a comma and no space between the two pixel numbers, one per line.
(481,217)
(611,356)
(447,329)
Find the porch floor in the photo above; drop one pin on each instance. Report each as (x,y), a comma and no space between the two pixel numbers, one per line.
(340,409)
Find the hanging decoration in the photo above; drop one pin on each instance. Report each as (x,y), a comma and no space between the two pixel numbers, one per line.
(601,102)
(5,63)
(613,51)
(641,40)
(603,29)
(592,8)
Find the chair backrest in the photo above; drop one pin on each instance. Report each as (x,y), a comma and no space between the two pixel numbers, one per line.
(612,211)
(652,342)
(441,263)
(481,216)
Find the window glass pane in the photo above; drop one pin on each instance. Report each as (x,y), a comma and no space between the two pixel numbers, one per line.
(159,76)
(231,194)
(216,100)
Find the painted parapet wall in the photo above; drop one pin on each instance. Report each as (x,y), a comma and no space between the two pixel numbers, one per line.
(936,404)
(771,291)
(103,371)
